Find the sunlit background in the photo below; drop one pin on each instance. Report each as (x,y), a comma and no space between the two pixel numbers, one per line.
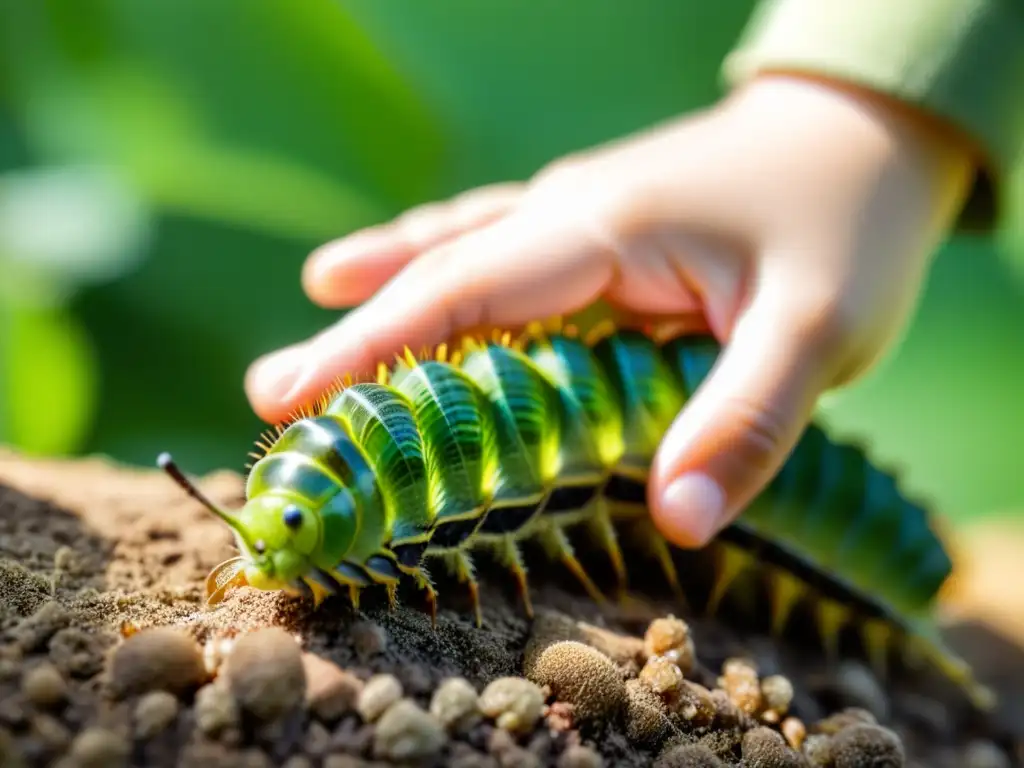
(165,167)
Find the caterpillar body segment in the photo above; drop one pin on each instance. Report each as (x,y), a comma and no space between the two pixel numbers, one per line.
(496,443)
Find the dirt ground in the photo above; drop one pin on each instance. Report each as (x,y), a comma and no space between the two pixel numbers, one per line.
(94,556)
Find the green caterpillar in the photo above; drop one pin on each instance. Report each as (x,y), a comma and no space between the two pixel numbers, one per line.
(507,441)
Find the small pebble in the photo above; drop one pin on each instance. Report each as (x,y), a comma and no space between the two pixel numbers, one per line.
(763,746)
(579,756)
(343,761)
(985,754)
(559,716)
(9,668)
(353,737)
(844,719)
(318,739)
(416,680)
(99,748)
(500,741)
(861,745)
(724,743)
(795,731)
(214,653)
(369,639)
(817,749)
(739,680)
(406,732)
(379,693)
(647,721)
(331,692)
(77,653)
(859,687)
(551,627)
(777,696)
(695,704)
(727,713)
(51,732)
(662,676)
(926,713)
(154,712)
(585,678)
(215,709)
(33,633)
(160,658)
(255,758)
(266,674)
(464,756)
(688,756)
(670,637)
(517,757)
(624,650)
(44,686)
(454,704)
(347,761)
(297,761)
(516,704)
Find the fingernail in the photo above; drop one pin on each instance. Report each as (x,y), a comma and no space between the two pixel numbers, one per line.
(274,376)
(695,505)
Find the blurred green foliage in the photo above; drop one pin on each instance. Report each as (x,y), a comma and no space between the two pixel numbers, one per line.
(166,165)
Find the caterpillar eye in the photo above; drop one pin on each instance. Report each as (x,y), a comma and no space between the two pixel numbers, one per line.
(260,546)
(292,517)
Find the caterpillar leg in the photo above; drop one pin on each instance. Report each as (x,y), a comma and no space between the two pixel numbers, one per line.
(324,583)
(508,554)
(877,638)
(732,561)
(554,540)
(318,591)
(648,539)
(383,568)
(926,645)
(785,591)
(462,568)
(353,596)
(830,617)
(600,527)
(423,582)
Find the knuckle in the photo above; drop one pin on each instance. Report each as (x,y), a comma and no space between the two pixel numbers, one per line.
(419,224)
(761,434)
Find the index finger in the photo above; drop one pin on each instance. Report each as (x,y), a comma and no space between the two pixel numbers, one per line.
(514,271)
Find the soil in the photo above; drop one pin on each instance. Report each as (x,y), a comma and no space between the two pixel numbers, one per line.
(109,657)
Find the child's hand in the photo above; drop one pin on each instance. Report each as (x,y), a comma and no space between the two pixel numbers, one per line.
(797,218)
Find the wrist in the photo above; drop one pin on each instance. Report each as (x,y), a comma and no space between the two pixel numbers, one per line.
(866,128)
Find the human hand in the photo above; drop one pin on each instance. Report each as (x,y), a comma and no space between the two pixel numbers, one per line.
(796,217)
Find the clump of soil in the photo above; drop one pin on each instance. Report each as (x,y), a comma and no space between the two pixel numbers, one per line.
(108,657)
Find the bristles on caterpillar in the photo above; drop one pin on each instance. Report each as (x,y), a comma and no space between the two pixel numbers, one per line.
(439,395)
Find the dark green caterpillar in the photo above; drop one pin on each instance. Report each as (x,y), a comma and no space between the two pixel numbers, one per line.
(512,441)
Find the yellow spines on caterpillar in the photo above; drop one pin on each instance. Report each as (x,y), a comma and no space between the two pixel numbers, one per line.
(478,445)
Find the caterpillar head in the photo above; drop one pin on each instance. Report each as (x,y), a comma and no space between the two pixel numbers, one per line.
(276,536)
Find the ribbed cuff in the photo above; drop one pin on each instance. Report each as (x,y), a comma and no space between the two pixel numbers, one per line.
(961,61)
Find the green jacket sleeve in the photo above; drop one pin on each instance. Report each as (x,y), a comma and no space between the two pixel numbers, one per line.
(959,60)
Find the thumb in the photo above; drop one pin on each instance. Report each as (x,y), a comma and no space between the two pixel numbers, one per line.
(738,429)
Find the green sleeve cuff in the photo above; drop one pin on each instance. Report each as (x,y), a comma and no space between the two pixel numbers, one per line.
(959,60)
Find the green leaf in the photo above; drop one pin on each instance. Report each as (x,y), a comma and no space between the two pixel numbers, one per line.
(282,117)
(48,379)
